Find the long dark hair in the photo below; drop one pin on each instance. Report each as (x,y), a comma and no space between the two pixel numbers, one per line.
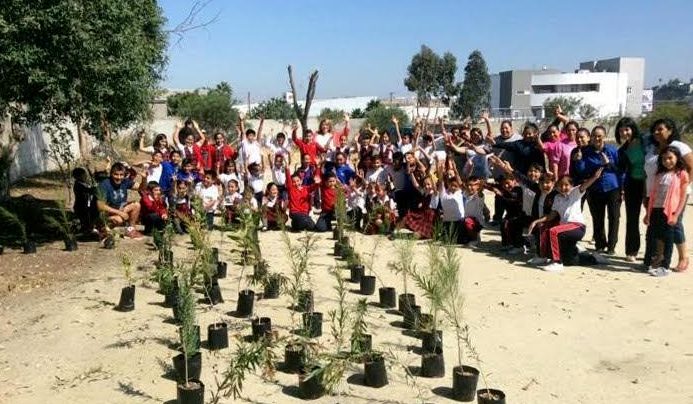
(669,124)
(627,122)
(680,164)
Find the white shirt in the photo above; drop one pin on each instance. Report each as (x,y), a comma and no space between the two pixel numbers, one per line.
(356,199)
(452,204)
(209,194)
(225,178)
(251,153)
(406,148)
(279,176)
(568,206)
(474,207)
(527,200)
(232,199)
(323,140)
(283,149)
(256,183)
(378,176)
(154,173)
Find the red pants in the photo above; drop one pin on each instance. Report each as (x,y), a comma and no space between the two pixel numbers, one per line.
(553,239)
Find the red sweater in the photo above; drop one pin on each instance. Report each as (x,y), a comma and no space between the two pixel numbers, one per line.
(311,148)
(195,154)
(151,205)
(329,198)
(299,198)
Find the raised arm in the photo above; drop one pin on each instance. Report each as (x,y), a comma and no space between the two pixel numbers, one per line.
(591,180)
(397,132)
(487,121)
(176,131)
(199,132)
(259,128)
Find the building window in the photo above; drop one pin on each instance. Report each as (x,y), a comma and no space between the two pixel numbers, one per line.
(565,88)
(629,90)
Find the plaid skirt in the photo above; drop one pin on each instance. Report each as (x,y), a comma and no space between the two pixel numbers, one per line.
(421,221)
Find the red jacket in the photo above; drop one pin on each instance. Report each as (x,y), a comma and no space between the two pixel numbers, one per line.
(221,154)
(299,198)
(151,205)
(195,155)
(329,198)
(311,148)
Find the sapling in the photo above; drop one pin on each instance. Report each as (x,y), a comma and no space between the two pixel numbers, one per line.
(404,265)
(339,317)
(62,223)
(472,352)
(13,219)
(186,314)
(340,212)
(126,262)
(360,328)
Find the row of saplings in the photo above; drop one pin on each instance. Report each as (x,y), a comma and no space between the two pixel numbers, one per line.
(320,370)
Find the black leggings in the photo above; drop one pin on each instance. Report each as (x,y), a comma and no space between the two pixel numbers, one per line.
(634,192)
(152,221)
(301,221)
(324,222)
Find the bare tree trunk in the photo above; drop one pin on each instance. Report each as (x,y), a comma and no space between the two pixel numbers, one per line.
(302,113)
(82,140)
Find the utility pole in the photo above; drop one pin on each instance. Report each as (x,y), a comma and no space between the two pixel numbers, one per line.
(391,93)
(248,102)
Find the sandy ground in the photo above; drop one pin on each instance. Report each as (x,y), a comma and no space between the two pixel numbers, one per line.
(587,335)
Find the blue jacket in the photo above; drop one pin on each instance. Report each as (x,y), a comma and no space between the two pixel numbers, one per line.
(611,177)
(168,171)
(344,173)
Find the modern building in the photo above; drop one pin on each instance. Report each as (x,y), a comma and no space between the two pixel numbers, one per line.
(612,86)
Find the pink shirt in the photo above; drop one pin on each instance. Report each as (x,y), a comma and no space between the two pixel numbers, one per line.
(559,153)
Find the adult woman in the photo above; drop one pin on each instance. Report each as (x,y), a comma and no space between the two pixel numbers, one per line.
(665,134)
(605,193)
(631,162)
(160,144)
(325,137)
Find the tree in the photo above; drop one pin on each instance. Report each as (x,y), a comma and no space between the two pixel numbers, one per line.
(358,113)
(373,104)
(587,111)
(212,108)
(302,112)
(680,113)
(475,91)
(422,75)
(334,115)
(569,105)
(381,117)
(447,68)
(274,108)
(97,62)
(673,90)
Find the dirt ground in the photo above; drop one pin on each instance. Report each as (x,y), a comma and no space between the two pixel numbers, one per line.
(588,335)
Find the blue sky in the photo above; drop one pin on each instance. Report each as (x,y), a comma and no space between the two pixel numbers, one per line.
(364,47)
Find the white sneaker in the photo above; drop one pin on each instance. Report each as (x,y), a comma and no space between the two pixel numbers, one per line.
(659,271)
(630,258)
(515,251)
(539,261)
(553,267)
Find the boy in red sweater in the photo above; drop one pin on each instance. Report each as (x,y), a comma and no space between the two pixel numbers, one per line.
(307,145)
(328,191)
(154,210)
(299,202)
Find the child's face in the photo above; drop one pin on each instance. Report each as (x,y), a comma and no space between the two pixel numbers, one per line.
(528,134)
(296,181)
(156,192)
(255,170)
(410,158)
(219,139)
(208,180)
(564,187)
(281,139)
(188,167)
(571,130)
(230,169)
(669,160)
(341,160)
(382,193)
(189,140)
(232,187)
(473,187)
(547,185)
(306,137)
(377,163)
(406,139)
(343,139)
(278,161)
(386,138)
(506,130)
(554,132)
(251,137)
(117,176)
(453,187)
(175,158)
(428,185)
(305,160)
(533,174)
(508,184)
(273,191)
(368,162)
(182,188)
(332,182)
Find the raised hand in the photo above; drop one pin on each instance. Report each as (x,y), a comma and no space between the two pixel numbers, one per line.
(485,116)
(394,120)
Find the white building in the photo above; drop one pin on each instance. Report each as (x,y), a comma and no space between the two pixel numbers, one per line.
(346,104)
(607,92)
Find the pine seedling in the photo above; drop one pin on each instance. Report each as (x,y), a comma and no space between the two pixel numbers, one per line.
(13,219)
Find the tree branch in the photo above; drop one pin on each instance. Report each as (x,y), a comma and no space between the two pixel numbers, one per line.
(189,23)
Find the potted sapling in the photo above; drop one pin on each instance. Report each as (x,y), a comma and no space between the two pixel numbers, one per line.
(367,284)
(29,246)
(486,395)
(127,294)
(188,364)
(165,244)
(356,268)
(464,378)
(374,369)
(405,265)
(435,284)
(165,276)
(64,226)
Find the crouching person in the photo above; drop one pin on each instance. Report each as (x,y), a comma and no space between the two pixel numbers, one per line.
(115,205)
(154,210)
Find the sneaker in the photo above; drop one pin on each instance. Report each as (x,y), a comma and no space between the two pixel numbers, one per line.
(472,244)
(553,267)
(659,271)
(264,228)
(515,251)
(539,261)
(630,258)
(133,234)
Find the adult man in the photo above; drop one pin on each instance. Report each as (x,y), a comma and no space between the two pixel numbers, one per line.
(114,201)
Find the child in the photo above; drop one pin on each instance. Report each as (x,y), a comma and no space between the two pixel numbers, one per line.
(232,199)
(342,168)
(377,173)
(278,174)
(250,149)
(299,202)
(474,213)
(328,190)
(559,243)
(248,204)
(231,173)
(154,211)
(356,201)
(256,182)
(515,219)
(421,220)
(85,201)
(182,209)
(307,145)
(273,209)
(209,193)
(280,146)
(666,202)
(381,212)
(187,174)
(452,205)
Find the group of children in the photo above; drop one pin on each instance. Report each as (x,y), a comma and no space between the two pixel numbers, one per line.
(431,184)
